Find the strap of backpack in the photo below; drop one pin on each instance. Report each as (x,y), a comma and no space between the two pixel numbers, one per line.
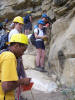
(38,32)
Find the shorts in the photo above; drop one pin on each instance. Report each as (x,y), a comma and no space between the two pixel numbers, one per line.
(40,44)
(28,26)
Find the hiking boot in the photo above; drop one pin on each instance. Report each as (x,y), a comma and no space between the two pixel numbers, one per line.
(37,68)
(21,98)
(42,69)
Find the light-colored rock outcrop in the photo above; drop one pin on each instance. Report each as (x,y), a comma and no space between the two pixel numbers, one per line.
(62,10)
(62,50)
(29,61)
(11,8)
(41,81)
(59,2)
(46,5)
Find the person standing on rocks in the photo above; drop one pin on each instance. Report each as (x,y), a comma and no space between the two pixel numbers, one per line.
(18,25)
(47,20)
(8,62)
(40,36)
(27,23)
(47,26)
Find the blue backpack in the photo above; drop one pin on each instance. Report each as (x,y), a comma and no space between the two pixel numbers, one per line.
(26,19)
(3,40)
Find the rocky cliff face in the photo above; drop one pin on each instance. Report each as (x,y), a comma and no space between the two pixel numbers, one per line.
(60,52)
(11,8)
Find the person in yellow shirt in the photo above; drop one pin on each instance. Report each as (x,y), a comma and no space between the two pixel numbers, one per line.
(8,63)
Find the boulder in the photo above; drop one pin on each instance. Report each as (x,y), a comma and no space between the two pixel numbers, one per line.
(62,47)
(29,61)
(51,14)
(9,8)
(37,14)
(46,5)
(62,10)
(68,76)
(59,2)
(58,28)
(41,81)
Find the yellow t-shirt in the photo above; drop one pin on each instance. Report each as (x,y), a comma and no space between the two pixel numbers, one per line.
(8,72)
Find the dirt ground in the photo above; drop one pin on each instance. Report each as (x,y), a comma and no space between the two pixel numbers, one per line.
(37,95)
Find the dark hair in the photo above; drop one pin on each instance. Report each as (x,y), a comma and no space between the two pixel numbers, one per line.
(21,44)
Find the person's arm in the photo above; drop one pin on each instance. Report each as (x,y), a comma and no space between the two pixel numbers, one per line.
(9,77)
(11,85)
(30,18)
(36,33)
(40,37)
(37,36)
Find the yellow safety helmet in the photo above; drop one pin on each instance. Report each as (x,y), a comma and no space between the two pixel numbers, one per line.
(18,19)
(20,38)
(28,12)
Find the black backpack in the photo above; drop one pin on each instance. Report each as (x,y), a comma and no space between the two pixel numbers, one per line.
(49,20)
(33,39)
(3,40)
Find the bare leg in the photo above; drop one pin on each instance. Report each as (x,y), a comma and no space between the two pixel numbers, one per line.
(26,32)
(42,58)
(38,57)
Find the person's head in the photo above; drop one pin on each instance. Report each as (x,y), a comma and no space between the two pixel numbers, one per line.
(18,23)
(18,44)
(40,23)
(44,17)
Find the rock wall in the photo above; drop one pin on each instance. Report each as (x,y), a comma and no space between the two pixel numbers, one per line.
(60,51)
(11,8)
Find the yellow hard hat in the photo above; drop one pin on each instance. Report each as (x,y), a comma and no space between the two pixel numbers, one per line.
(28,12)
(19,19)
(20,38)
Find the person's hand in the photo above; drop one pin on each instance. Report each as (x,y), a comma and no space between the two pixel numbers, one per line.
(25,81)
(47,25)
(45,38)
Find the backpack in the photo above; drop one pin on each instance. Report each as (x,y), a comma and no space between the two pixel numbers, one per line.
(50,20)
(26,19)
(3,40)
(33,39)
